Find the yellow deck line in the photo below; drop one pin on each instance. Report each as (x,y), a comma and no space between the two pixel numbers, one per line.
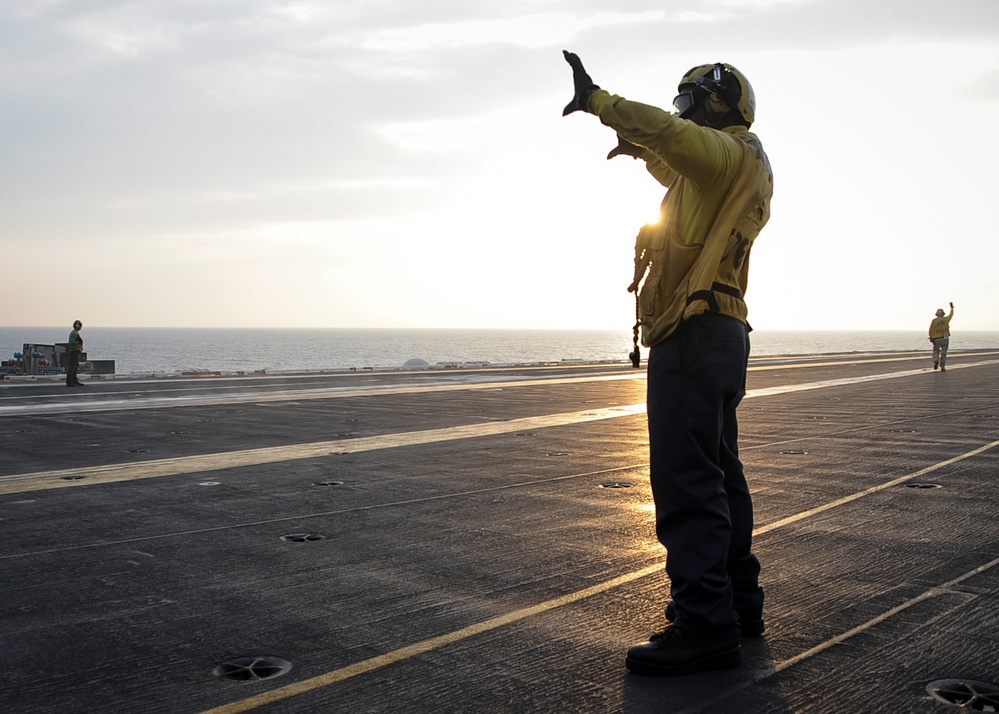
(64,478)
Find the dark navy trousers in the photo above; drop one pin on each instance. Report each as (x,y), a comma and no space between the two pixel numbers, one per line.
(704,512)
(72,367)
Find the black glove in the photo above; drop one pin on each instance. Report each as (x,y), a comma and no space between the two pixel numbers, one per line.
(625,148)
(582,83)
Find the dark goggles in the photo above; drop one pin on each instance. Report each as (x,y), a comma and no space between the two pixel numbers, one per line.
(684,103)
(702,87)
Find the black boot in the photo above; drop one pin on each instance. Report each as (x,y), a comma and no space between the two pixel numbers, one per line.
(674,652)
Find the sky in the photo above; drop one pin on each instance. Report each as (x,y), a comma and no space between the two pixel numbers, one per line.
(391,163)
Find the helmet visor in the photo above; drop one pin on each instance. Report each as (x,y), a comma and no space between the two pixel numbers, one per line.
(684,103)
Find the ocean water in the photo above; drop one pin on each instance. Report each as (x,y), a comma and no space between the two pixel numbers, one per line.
(149,351)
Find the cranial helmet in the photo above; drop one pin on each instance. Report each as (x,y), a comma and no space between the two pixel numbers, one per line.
(724,82)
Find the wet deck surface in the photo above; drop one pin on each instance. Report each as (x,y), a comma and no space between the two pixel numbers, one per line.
(482,541)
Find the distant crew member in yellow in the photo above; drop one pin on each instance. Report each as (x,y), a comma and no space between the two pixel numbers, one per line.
(940,337)
(695,265)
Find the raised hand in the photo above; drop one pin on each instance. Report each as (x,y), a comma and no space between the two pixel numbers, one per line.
(582,84)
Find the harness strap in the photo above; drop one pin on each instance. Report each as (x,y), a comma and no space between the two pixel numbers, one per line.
(709,295)
(636,354)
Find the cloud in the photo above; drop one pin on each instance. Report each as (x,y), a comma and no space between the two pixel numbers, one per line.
(529,30)
(340,132)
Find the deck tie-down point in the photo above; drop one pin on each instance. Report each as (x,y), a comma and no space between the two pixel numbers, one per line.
(252,669)
(966,693)
(302,537)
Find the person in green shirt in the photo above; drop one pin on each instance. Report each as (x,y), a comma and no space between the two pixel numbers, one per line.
(693,268)
(75,350)
(940,337)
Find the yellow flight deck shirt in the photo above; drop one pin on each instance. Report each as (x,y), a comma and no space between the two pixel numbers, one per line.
(940,326)
(719,188)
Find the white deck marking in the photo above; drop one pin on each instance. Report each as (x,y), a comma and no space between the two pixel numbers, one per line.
(201,400)
(788,388)
(87,476)
(175,397)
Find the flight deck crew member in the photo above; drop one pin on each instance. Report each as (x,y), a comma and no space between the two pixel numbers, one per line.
(940,337)
(693,317)
(73,358)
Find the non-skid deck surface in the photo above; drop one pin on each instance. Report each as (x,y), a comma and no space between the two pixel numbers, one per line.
(482,541)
